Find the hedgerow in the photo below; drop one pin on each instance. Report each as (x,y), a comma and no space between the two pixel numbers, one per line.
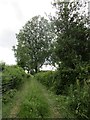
(61,80)
(12,77)
(48,78)
(72,83)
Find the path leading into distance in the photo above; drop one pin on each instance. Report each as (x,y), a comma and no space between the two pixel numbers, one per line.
(34,101)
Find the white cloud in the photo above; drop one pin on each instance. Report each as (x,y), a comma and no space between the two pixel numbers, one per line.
(8,39)
(13,15)
(7,56)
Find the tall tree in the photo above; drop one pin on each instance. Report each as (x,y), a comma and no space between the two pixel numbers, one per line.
(73,33)
(34,41)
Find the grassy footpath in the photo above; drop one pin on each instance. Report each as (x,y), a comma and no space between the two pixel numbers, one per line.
(33,100)
(35,104)
(11,108)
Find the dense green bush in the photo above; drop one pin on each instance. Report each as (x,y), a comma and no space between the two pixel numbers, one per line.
(48,78)
(12,77)
(69,76)
(78,100)
(74,84)
(2,66)
(83,71)
(57,80)
(8,95)
(66,77)
(61,80)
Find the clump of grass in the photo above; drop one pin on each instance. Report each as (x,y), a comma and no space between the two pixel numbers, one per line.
(33,108)
(35,104)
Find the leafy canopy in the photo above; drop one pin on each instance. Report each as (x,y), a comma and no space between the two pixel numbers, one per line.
(73,33)
(34,41)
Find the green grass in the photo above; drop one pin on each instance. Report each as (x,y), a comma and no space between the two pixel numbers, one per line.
(35,104)
(33,100)
(19,96)
(42,103)
(28,102)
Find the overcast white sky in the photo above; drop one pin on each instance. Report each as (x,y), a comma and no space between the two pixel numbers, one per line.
(13,15)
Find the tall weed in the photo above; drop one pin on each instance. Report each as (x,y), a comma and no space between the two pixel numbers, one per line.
(78,100)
